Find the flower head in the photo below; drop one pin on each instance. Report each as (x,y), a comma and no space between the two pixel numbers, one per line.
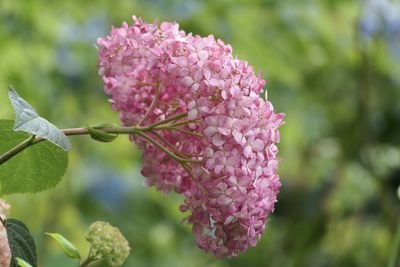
(107,243)
(5,252)
(153,73)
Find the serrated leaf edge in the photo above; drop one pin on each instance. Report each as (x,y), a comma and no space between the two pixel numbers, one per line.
(61,139)
(15,235)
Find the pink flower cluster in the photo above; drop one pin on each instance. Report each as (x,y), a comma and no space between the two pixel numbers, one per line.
(232,188)
(5,252)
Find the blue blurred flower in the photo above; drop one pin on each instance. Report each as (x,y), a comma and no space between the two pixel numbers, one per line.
(381,18)
(108,189)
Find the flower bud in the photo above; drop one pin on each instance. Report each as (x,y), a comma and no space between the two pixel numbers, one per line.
(108,243)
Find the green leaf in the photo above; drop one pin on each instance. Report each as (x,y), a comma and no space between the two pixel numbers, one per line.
(22,263)
(101,136)
(103,125)
(35,169)
(28,120)
(68,248)
(21,243)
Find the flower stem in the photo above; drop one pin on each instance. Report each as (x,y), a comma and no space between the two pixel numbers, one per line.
(162,148)
(86,262)
(139,130)
(153,103)
(90,258)
(183,123)
(167,120)
(168,144)
(17,149)
(166,127)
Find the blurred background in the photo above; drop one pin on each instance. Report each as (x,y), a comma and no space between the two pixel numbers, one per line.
(333,66)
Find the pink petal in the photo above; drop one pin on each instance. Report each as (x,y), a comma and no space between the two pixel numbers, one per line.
(232,181)
(222,186)
(203,54)
(192,114)
(247,151)
(223,200)
(224,131)
(229,220)
(218,169)
(237,136)
(217,140)
(257,145)
(187,81)
(210,131)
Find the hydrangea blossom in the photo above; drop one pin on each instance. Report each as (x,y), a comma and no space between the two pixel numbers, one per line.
(153,73)
(107,243)
(5,252)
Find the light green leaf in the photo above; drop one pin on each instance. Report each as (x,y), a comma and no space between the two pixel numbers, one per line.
(68,248)
(100,135)
(35,169)
(22,263)
(21,243)
(28,120)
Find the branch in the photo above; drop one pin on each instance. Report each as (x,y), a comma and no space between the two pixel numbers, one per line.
(164,149)
(85,131)
(17,149)
(153,103)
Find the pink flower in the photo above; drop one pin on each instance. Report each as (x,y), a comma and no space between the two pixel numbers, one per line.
(231,192)
(5,252)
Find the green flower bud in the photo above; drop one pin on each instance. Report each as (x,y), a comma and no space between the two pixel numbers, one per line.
(108,243)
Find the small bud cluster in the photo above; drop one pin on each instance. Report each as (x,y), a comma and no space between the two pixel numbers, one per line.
(153,73)
(108,244)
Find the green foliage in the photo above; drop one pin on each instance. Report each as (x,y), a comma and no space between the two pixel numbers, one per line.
(22,263)
(27,120)
(101,136)
(35,169)
(69,249)
(21,243)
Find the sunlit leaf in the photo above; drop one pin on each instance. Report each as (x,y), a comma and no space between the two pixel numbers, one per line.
(68,248)
(28,120)
(35,169)
(22,263)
